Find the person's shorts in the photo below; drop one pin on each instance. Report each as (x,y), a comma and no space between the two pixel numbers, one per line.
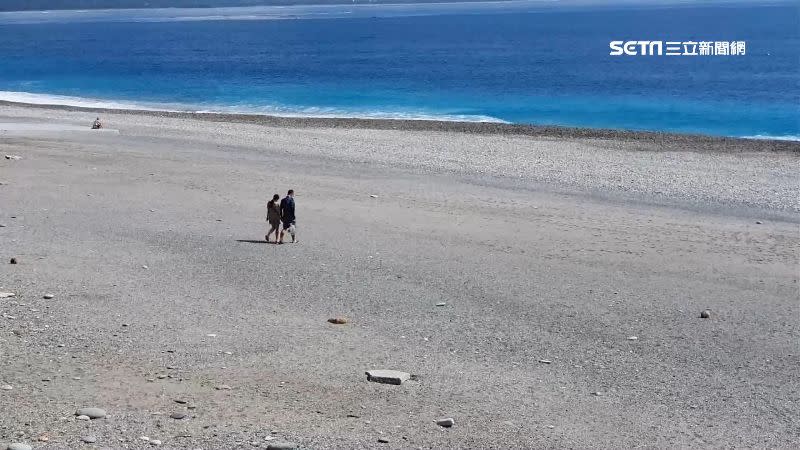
(289,226)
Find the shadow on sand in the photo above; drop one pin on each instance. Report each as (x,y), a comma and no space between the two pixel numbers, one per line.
(253,241)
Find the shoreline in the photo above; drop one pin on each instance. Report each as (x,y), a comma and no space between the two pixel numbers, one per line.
(666,141)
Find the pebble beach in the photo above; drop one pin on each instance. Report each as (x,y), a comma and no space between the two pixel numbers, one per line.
(455,285)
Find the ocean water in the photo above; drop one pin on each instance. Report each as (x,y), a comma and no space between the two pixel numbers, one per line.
(520,62)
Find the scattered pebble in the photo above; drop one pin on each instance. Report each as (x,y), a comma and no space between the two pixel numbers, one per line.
(144,438)
(155,442)
(447,423)
(633,338)
(48,296)
(7,294)
(383,440)
(43,438)
(181,401)
(223,387)
(441,304)
(89,439)
(211,335)
(282,446)
(597,394)
(545,361)
(19,446)
(178,415)
(338,320)
(144,266)
(373,195)
(387,376)
(6,387)
(82,417)
(92,413)
(758,222)
(706,314)
(13,157)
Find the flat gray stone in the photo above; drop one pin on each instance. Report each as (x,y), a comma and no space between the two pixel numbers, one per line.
(19,446)
(93,413)
(178,415)
(281,446)
(387,376)
(447,423)
(48,296)
(82,417)
(89,439)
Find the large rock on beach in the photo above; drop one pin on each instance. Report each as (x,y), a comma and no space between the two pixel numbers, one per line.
(387,376)
(92,413)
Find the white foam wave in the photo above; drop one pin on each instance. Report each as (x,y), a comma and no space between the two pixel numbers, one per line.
(773,138)
(264,110)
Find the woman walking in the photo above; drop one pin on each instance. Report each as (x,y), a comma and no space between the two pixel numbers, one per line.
(273,217)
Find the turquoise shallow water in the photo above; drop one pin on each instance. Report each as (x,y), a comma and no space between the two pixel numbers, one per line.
(518,62)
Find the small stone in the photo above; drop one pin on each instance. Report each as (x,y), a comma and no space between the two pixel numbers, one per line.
(82,417)
(144,266)
(178,415)
(181,401)
(338,320)
(441,304)
(93,413)
(706,314)
(373,195)
(161,376)
(281,446)
(48,296)
(7,294)
(13,261)
(387,376)
(13,157)
(6,387)
(19,446)
(144,438)
(223,387)
(545,361)
(447,423)
(211,335)
(89,439)
(43,438)
(155,442)
(633,338)
(383,440)
(758,222)
(126,324)
(597,394)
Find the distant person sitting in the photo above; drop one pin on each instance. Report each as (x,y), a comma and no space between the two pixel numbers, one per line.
(273,217)
(288,217)
(97,125)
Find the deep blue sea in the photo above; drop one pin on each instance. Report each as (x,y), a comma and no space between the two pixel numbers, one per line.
(519,62)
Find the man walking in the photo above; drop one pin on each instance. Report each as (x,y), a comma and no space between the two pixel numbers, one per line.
(288,217)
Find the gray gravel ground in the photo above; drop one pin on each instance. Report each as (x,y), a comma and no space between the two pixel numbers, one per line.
(543,249)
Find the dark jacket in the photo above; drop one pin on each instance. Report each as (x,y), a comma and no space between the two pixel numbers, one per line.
(287,210)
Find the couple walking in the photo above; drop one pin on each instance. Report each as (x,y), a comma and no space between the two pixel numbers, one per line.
(281,212)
